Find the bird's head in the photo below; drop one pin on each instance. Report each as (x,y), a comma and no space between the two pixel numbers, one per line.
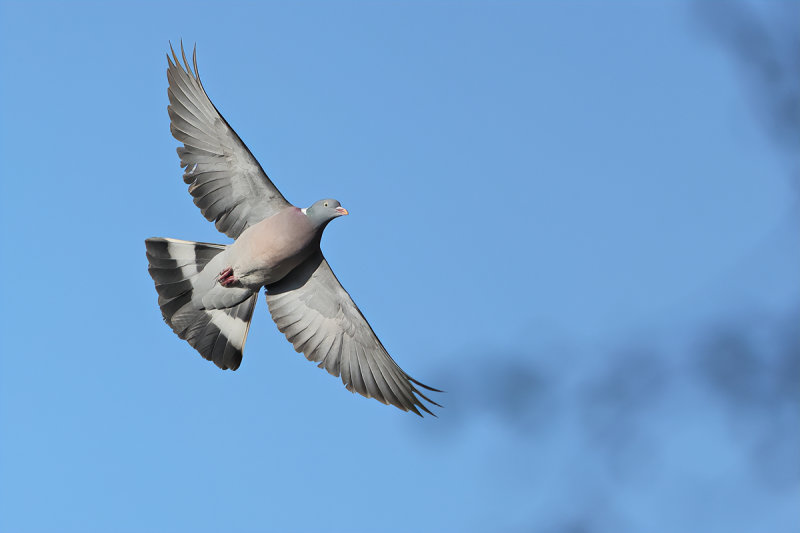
(324,211)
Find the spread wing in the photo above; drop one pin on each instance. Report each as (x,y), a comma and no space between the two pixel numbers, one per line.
(227,183)
(320,319)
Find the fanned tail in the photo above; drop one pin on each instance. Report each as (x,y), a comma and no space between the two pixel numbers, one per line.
(218,334)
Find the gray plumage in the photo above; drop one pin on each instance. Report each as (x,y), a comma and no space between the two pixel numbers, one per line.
(218,334)
(207,292)
(227,183)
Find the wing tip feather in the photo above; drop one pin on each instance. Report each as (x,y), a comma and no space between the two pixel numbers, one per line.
(423,385)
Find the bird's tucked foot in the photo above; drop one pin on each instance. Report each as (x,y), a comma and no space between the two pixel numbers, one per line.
(226,277)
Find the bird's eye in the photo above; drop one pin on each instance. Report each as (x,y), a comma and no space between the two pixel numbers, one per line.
(326,204)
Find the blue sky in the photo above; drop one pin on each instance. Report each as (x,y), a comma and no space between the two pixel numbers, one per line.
(575,217)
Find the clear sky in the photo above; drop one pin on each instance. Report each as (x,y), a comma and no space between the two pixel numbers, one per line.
(578,218)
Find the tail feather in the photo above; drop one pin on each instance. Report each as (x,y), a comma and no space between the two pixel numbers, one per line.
(218,334)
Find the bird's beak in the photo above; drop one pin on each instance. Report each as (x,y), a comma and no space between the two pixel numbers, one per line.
(341,211)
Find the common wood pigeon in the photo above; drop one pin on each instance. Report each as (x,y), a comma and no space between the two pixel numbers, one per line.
(207,292)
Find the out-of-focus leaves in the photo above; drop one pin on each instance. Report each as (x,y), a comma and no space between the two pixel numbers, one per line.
(614,408)
(764,38)
(756,375)
(509,387)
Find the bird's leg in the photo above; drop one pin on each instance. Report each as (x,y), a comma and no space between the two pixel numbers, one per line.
(226,278)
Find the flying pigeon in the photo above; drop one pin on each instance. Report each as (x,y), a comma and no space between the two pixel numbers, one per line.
(207,292)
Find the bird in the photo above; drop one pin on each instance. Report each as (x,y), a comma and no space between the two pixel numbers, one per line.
(207,292)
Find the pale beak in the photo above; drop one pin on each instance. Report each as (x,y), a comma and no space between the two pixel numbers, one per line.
(341,211)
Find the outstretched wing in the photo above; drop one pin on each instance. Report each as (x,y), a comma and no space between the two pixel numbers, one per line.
(320,319)
(227,183)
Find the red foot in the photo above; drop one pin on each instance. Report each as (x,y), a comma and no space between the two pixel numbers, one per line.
(226,278)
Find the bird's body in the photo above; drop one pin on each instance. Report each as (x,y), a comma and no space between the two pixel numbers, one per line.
(268,251)
(207,292)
